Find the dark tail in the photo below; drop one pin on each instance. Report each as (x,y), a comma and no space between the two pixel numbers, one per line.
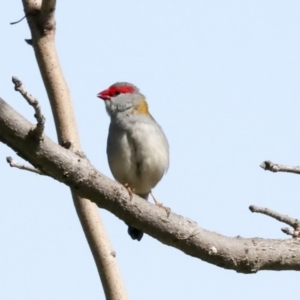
(135,233)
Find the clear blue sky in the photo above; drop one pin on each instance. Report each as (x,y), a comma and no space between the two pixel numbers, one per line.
(222,78)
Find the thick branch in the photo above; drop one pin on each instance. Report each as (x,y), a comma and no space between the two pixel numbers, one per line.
(243,255)
(269,166)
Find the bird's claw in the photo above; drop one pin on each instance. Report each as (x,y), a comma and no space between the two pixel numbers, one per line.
(159,204)
(129,189)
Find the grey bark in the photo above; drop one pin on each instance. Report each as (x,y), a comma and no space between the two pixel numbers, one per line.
(73,169)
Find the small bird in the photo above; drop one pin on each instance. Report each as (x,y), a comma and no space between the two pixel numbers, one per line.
(137,148)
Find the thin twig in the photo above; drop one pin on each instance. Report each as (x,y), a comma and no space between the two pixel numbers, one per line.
(269,166)
(14,23)
(279,217)
(288,231)
(34,103)
(14,164)
(33,12)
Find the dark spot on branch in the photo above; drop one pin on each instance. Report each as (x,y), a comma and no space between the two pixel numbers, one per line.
(66,144)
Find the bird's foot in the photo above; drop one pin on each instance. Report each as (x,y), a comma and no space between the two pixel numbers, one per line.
(129,189)
(167,209)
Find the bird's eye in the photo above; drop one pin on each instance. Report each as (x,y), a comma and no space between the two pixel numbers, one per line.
(117,93)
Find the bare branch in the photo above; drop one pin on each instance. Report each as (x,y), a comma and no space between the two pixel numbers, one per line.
(269,166)
(279,217)
(34,103)
(16,22)
(14,164)
(273,214)
(32,12)
(288,231)
(42,28)
(240,254)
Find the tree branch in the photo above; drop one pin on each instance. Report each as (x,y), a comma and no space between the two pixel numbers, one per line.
(279,217)
(288,231)
(14,164)
(269,166)
(34,103)
(273,214)
(245,255)
(42,26)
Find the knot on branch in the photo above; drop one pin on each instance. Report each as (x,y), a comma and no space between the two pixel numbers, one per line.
(269,166)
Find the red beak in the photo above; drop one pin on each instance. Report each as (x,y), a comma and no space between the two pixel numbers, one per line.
(104,95)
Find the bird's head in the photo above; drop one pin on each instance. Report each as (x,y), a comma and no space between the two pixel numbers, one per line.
(123,96)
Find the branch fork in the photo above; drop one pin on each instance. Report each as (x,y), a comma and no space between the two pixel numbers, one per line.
(295,223)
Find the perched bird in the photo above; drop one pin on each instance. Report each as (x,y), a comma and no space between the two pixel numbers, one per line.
(137,148)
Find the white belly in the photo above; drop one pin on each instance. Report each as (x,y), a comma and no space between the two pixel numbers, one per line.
(138,157)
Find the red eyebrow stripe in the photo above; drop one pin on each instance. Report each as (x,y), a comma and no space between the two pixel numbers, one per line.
(122,89)
(112,91)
